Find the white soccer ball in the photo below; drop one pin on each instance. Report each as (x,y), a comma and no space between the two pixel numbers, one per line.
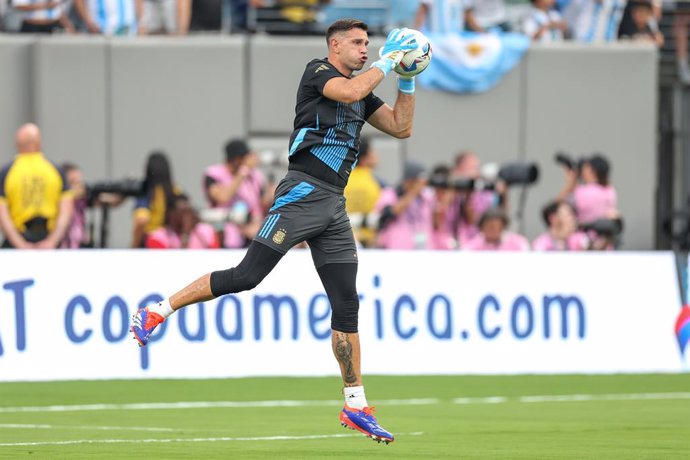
(415,61)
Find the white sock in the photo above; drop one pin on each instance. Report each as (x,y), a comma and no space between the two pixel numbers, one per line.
(355,398)
(163,308)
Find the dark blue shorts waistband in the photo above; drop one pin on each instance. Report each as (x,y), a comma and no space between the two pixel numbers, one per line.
(299,175)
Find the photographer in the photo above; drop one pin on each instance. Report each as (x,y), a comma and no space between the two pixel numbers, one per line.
(595,200)
(76,235)
(473,203)
(238,186)
(587,187)
(406,212)
(158,190)
(446,210)
(562,234)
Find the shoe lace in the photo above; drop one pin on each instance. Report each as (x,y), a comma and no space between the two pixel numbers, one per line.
(369,410)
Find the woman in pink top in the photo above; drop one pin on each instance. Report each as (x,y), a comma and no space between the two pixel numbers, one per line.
(183,230)
(594,198)
(493,236)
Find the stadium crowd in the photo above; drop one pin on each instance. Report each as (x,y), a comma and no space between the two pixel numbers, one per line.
(543,20)
(459,206)
(584,21)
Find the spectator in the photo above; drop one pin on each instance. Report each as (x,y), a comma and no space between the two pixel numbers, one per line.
(473,203)
(492,14)
(35,202)
(183,229)
(160,17)
(594,198)
(158,190)
(593,21)
(199,16)
(240,188)
(362,192)
(239,12)
(406,212)
(494,236)
(77,235)
(681,23)
(562,234)
(112,17)
(446,16)
(640,24)
(543,23)
(43,17)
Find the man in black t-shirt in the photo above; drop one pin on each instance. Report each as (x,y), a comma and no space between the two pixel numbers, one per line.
(332,106)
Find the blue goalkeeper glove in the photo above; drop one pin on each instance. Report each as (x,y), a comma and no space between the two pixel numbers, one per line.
(397,44)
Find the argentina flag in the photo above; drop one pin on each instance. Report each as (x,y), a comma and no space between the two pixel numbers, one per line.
(471,62)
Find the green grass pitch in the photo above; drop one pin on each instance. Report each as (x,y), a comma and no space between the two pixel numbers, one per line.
(483,417)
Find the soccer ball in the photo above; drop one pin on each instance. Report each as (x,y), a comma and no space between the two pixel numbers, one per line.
(415,61)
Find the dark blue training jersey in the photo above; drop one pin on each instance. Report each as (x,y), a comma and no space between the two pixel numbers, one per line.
(325,142)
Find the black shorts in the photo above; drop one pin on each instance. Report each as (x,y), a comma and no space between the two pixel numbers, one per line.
(307,209)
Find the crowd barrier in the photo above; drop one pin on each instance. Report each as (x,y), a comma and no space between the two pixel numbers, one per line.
(65,315)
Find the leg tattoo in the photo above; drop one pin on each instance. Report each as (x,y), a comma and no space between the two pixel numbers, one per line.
(343,353)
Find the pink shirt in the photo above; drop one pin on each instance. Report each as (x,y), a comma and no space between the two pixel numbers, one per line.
(509,242)
(410,230)
(578,241)
(480,201)
(248,196)
(202,237)
(594,201)
(76,231)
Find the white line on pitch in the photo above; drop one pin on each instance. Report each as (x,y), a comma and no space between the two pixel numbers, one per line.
(220,439)
(604,397)
(204,405)
(392,402)
(85,427)
(572,398)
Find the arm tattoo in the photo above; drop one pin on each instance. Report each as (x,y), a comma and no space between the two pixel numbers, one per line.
(343,353)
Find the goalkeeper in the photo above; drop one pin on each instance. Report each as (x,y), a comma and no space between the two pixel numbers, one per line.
(332,106)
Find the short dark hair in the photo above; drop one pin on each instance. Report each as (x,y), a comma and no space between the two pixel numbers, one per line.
(343,25)
(68,167)
(549,210)
(552,207)
(600,166)
(236,148)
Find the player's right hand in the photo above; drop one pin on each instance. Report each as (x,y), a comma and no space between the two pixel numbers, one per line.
(397,44)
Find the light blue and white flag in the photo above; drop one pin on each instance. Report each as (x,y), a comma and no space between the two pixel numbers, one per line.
(472,62)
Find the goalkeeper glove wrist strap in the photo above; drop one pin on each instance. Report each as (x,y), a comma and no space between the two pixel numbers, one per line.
(406,85)
(385,65)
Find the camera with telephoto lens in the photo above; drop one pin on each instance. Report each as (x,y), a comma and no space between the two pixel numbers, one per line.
(457,183)
(510,173)
(568,161)
(609,228)
(125,187)
(519,173)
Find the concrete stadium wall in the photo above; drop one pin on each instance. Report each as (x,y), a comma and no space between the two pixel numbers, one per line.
(106,103)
